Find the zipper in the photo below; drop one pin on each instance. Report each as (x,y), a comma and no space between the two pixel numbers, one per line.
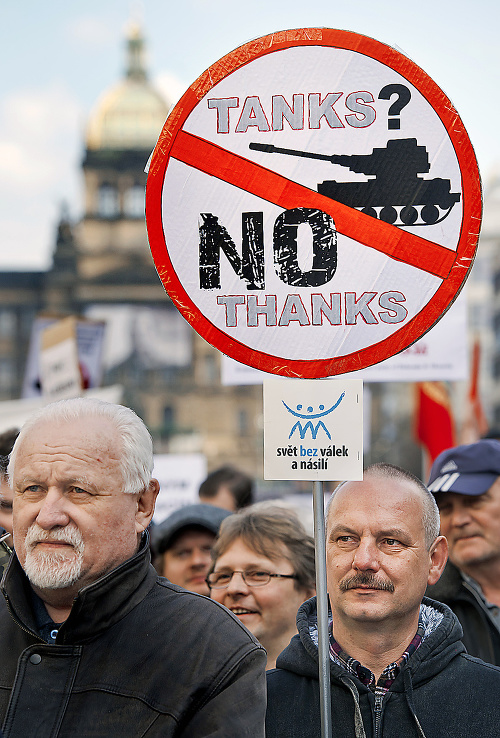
(20,624)
(378,713)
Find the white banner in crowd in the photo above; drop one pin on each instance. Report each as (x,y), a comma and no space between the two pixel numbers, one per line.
(58,361)
(180,476)
(14,413)
(89,338)
(159,336)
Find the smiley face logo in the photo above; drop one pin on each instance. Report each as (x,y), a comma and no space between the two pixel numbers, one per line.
(309,415)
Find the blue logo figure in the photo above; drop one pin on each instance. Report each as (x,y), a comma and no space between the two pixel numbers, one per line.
(309,416)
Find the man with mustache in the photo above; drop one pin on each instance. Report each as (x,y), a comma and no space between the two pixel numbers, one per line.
(397,665)
(92,640)
(466,484)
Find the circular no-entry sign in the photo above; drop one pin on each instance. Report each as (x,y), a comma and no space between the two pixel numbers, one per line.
(313,203)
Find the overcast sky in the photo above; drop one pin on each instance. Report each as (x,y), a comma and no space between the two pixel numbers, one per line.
(58,57)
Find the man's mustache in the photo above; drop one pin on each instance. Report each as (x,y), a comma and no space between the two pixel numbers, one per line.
(365,580)
(69,534)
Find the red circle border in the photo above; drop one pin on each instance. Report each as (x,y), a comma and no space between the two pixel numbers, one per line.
(471,203)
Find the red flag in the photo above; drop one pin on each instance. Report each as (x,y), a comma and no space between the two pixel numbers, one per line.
(475,423)
(435,425)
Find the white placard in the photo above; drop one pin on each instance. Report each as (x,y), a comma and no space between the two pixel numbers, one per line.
(313,429)
(89,340)
(180,476)
(61,376)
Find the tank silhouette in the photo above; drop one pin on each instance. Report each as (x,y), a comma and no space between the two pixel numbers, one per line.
(394,194)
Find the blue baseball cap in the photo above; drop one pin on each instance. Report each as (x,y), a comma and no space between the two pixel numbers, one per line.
(470,469)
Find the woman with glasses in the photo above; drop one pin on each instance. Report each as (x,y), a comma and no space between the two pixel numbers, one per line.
(263,570)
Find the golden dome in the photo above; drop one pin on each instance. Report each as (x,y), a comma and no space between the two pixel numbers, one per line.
(131,114)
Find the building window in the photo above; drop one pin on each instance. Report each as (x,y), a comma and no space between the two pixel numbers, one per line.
(133,202)
(6,375)
(242,423)
(210,369)
(7,323)
(168,420)
(107,204)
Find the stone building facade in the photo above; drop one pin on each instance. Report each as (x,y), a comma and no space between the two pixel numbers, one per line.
(102,269)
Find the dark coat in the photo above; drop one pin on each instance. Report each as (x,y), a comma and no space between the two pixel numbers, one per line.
(137,656)
(441,692)
(481,636)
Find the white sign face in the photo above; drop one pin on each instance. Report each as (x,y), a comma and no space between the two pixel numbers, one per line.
(89,339)
(180,476)
(313,430)
(59,370)
(313,203)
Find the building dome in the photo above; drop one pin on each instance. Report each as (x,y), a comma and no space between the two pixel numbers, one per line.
(131,114)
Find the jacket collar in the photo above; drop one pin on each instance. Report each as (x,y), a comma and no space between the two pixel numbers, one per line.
(96,607)
(437,649)
(449,585)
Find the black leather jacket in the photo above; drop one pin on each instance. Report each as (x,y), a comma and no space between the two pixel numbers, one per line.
(137,656)
(481,636)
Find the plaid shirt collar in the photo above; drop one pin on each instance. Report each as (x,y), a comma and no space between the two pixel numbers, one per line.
(364,674)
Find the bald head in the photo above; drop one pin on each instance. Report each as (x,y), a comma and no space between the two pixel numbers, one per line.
(408,481)
(382,551)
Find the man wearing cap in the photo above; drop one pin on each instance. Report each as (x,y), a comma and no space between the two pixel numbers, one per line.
(466,484)
(183,543)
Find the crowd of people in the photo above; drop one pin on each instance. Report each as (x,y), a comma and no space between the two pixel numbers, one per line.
(220,637)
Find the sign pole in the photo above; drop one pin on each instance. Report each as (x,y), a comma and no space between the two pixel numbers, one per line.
(322,605)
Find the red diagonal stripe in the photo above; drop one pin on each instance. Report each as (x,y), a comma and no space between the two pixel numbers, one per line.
(236,170)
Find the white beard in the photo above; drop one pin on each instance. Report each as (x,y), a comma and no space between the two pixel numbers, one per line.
(53,569)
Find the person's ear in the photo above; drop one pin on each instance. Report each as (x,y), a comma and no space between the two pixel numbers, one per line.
(146,505)
(310,592)
(438,557)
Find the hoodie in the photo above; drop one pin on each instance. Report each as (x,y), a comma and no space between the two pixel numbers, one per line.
(440,692)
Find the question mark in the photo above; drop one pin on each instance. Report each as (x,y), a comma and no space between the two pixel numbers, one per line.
(404,96)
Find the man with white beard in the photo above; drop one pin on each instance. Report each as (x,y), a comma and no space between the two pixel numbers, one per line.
(92,641)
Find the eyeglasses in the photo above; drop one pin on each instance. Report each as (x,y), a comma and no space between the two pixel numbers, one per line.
(220,580)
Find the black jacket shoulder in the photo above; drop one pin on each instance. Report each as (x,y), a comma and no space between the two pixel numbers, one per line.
(481,635)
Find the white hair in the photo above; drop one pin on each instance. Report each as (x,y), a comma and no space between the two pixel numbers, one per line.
(136,458)
(430,510)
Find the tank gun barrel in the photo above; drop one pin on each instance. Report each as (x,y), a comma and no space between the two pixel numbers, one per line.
(270,149)
(355,163)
